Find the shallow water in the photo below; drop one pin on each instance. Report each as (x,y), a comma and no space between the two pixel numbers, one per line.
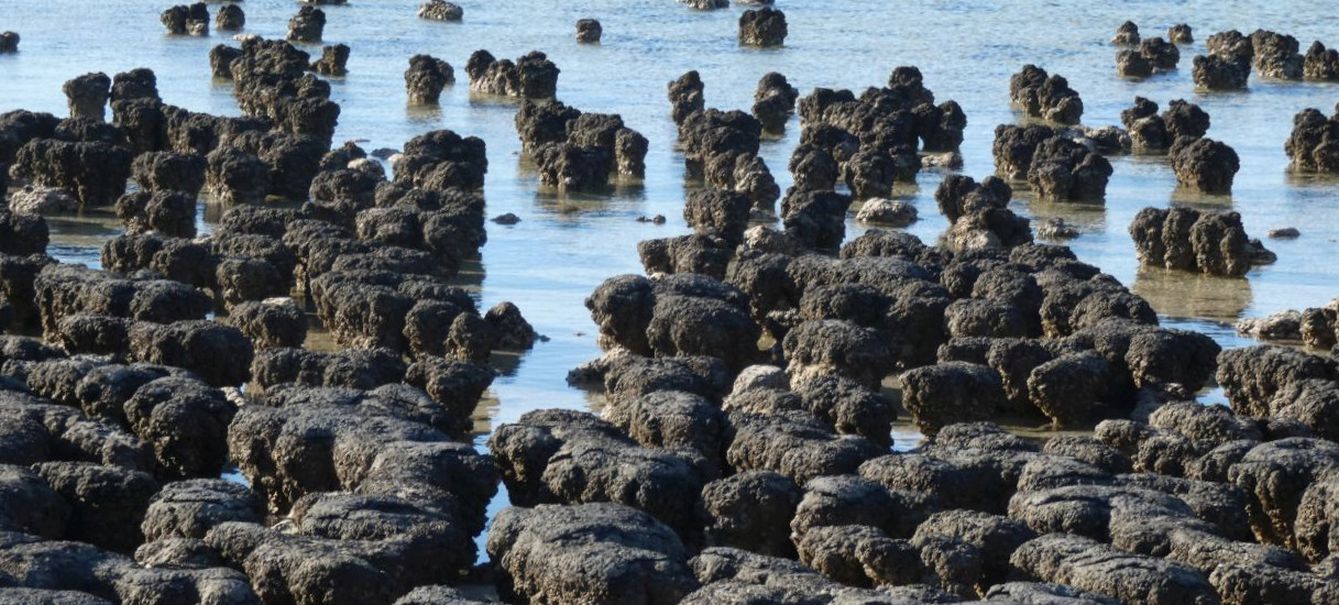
(567,244)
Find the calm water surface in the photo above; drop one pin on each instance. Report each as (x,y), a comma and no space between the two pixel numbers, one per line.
(567,244)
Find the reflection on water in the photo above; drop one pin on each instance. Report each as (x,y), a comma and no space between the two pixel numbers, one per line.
(1193,295)
(1191,198)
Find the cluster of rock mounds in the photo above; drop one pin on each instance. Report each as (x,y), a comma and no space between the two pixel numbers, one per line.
(1147,56)
(579,151)
(693,488)
(121,419)
(1233,55)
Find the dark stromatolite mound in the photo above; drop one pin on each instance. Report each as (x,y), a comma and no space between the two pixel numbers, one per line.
(533,76)
(693,315)
(771,442)
(170,213)
(9,42)
(589,553)
(426,77)
(1063,169)
(1181,33)
(1320,63)
(382,448)
(1014,147)
(94,172)
(1188,240)
(190,508)
(442,159)
(1153,55)
(340,547)
(272,81)
(1045,96)
(107,503)
(978,214)
(1127,34)
(1259,381)
(186,19)
(950,393)
(64,290)
(333,60)
(355,369)
(1216,72)
(685,96)
(23,235)
(1151,132)
(167,170)
(1275,475)
(575,150)
(762,27)
(1275,55)
(1099,568)
(949,539)
(589,31)
(1230,44)
(835,347)
(307,25)
(562,457)
(88,95)
(230,18)
(752,511)
(1312,145)
(1205,165)
(774,102)
(185,421)
(59,568)
(816,219)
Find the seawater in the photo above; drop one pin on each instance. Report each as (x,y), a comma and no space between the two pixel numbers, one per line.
(567,244)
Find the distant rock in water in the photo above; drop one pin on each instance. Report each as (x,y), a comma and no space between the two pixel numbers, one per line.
(333,60)
(1126,35)
(9,42)
(589,31)
(183,20)
(532,76)
(440,10)
(763,27)
(1045,96)
(1313,145)
(307,25)
(426,77)
(706,5)
(1180,34)
(230,18)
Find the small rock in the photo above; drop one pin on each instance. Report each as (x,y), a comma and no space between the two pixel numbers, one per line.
(1285,325)
(657,219)
(950,160)
(1284,233)
(507,219)
(439,10)
(1260,255)
(1057,228)
(383,153)
(9,42)
(883,211)
(589,31)
(42,200)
